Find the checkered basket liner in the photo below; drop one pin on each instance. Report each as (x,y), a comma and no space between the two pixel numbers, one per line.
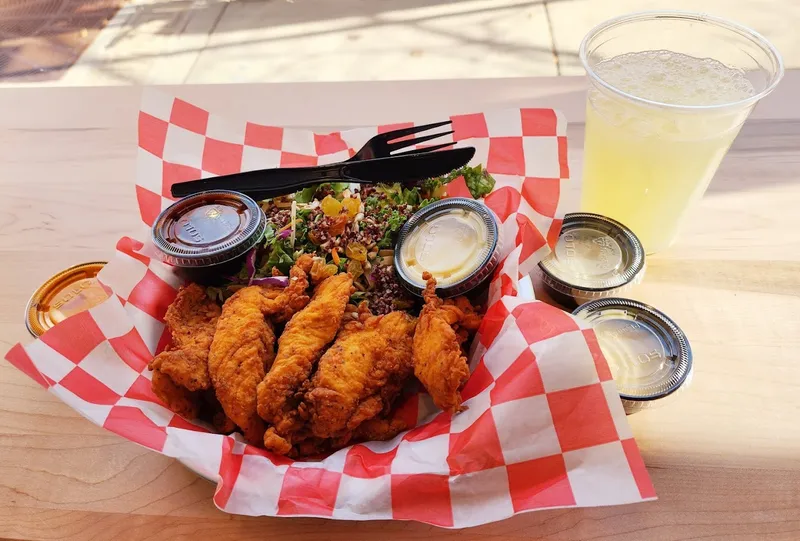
(545,427)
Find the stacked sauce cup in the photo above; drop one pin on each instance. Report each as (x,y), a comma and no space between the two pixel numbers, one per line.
(596,259)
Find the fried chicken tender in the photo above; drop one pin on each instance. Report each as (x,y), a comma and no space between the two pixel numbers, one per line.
(361,374)
(469,318)
(299,347)
(281,304)
(187,368)
(212,410)
(182,369)
(191,319)
(439,362)
(178,399)
(378,429)
(192,404)
(244,346)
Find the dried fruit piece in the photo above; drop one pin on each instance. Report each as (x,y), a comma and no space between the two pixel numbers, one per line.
(351,205)
(320,271)
(331,206)
(337,227)
(354,268)
(357,251)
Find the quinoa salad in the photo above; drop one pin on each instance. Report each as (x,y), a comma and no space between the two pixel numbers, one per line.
(349,228)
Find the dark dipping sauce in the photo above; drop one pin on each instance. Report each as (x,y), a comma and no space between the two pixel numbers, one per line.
(207,235)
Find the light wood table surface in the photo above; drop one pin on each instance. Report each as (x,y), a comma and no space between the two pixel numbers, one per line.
(724,456)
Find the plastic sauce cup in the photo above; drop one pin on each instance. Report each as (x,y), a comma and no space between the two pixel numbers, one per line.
(209,234)
(594,257)
(456,240)
(648,354)
(67,293)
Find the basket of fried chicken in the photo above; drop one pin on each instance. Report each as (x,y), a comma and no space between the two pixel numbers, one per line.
(334,371)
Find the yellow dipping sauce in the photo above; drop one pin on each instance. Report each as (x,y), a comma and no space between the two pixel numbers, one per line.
(452,241)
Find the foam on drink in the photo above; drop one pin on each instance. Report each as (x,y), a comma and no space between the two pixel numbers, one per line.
(675,78)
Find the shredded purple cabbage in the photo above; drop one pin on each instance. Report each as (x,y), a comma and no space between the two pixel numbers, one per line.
(251,266)
(250,261)
(284,234)
(281,281)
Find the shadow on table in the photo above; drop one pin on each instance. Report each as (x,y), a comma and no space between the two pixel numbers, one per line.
(774,143)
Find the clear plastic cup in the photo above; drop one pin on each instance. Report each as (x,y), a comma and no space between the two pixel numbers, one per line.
(668,94)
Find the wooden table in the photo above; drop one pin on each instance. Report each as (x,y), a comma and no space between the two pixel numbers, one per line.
(724,457)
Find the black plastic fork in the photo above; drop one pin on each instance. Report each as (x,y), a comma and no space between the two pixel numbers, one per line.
(384,145)
(380,149)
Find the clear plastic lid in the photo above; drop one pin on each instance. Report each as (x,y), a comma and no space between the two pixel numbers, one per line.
(648,354)
(455,239)
(594,257)
(208,228)
(70,291)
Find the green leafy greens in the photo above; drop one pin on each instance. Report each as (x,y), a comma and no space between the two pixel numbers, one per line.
(478,180)
(280,256)
(394,221)
(306,195)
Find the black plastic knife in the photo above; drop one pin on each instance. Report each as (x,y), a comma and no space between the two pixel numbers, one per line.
(268,183)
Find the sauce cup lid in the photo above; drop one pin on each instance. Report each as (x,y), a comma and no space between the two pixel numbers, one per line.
(66,293)
(208,228)
(594,256)
(456,240)
(648,354)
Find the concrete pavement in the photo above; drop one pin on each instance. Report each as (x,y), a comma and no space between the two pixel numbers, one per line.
(221,41)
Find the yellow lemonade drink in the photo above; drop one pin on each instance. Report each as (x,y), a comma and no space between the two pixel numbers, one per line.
(658,124)
(643,165)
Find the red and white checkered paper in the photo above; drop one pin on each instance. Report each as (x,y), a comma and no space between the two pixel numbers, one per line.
(545,427)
